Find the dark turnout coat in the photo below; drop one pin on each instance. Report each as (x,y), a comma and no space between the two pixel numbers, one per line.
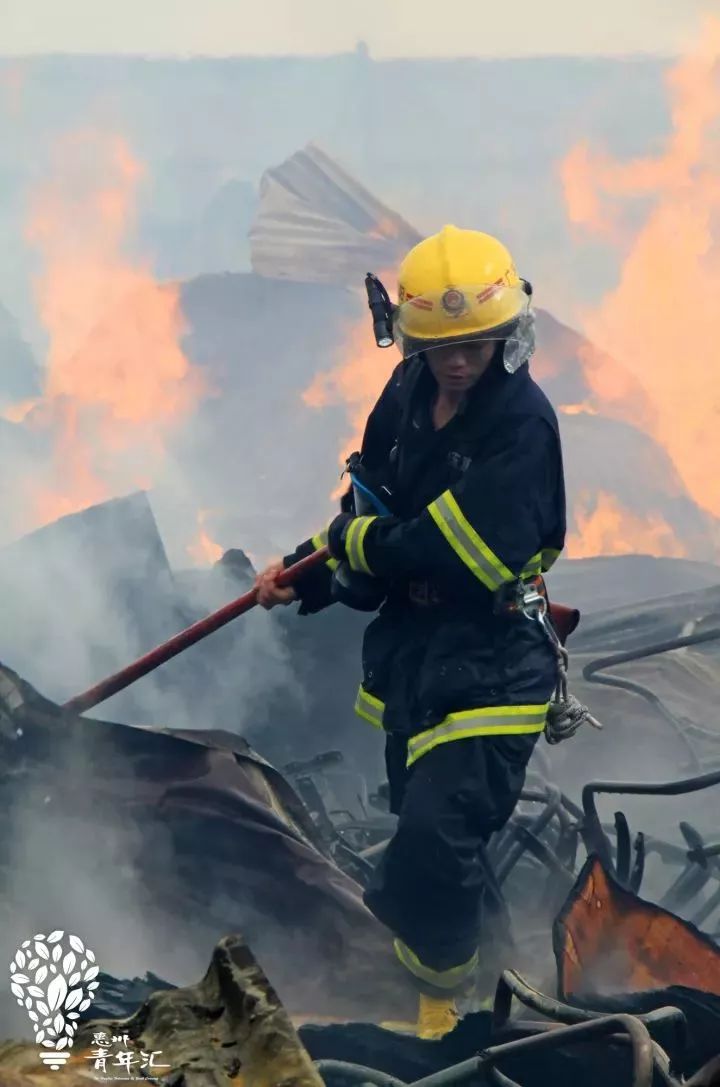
(476,506)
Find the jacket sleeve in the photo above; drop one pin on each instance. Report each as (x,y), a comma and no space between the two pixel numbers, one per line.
(313,589)
(486,530)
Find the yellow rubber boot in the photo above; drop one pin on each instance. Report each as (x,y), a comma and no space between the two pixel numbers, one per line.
(437,1016)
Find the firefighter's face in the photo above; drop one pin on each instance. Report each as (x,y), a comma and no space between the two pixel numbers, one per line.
(457,367)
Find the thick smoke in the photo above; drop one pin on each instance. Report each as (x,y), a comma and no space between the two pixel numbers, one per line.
(176,404)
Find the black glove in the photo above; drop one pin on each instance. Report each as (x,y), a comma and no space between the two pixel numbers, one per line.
(337,534)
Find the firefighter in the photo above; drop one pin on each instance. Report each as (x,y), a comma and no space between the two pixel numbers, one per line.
(467,447)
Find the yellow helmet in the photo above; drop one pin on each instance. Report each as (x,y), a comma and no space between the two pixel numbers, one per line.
(462,285)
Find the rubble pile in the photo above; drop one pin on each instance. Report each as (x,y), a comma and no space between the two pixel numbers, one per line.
(215,841)
(221,838)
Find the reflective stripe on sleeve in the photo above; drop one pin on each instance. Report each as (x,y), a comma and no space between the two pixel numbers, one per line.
(369,707)
(320,540)
(540,563)
(470,547)
(550,555)
(532,567)
(354,544)
(487,721)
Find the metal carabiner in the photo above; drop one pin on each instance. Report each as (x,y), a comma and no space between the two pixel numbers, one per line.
(534,606)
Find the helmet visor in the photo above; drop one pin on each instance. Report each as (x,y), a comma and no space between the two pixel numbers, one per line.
(479,314)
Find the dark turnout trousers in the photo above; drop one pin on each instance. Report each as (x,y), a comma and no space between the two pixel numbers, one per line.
(428,886)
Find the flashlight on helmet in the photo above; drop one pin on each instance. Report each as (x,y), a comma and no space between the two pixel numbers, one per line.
(381,309)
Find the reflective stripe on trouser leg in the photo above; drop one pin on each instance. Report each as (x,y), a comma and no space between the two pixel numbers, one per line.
(369,707)
(486,721)
(441,979)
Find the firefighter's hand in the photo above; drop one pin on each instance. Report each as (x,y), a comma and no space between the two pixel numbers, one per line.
(269,593)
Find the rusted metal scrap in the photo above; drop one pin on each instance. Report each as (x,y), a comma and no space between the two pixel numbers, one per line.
(608,939)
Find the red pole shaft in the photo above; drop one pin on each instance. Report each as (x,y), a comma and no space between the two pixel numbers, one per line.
(192,634)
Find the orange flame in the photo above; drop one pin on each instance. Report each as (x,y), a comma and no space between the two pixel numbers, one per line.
(117,382)
(17,413)
(605,527)
(585,408)
(660,320)
(204,550)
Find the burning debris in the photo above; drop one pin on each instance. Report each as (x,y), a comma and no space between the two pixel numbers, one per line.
(202,836)
(232,1022)
(234,830)
(210,832)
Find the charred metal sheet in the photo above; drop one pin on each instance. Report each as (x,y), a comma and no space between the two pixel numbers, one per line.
(236,842)
(608,939)
(318,224)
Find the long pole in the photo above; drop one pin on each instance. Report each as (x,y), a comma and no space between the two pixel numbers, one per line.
(179,642)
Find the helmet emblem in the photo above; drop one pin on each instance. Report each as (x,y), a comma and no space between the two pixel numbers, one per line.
(453,302)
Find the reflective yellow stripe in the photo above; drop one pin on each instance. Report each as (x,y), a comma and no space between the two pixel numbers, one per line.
(467,544)
(441,979)
(532,567)
(354,544)
(369,707)
(321,541)
(487,721)
(550,555)
(540,563)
